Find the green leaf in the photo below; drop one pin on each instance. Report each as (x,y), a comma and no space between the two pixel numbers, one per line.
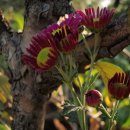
(16,21)
(3,79)
(123,114)
(70,107)
(127,123)
(3,127)
(90,79)
(79,80)
(73,117)
(70,110)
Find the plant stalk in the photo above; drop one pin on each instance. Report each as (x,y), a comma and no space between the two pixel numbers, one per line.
(111,121)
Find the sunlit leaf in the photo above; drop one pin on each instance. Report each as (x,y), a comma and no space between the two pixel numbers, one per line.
(3,79)
(107,70)
(5,115)
(4,127)
(79,80)
(15,19)
(4,88)
(3,98)
(108,101)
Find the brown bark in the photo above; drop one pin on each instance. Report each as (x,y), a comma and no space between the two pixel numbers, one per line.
(30,90)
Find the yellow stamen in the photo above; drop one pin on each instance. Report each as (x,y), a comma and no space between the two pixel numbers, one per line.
(65,30)
(55,31)
(95,20)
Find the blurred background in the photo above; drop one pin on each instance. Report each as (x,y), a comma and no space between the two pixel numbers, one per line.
(14,11)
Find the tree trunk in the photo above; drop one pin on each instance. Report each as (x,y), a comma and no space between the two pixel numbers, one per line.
(30,90)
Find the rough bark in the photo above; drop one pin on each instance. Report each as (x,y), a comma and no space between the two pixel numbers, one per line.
(30,90)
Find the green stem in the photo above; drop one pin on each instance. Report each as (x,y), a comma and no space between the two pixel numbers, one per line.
(77,101)
(96,45)
(63,74)
(83,111)
(87,46)
(111,121)
(67,75)
(89,76)
(93,57)
(84,115)
(103,109)
(70,58)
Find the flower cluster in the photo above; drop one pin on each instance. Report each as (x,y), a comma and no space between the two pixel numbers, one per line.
(45,46)
(66,34)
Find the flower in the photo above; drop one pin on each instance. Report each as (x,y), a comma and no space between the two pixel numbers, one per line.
(50,28)
(93,98)
(73,21)
(66,34)
(119,86)
(41,54)
(96,19)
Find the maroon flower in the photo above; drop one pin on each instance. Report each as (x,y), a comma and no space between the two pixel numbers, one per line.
(66,34)
(41,55)
(96,20)
(73,21)
(93,98)
(119,86)
(50,28)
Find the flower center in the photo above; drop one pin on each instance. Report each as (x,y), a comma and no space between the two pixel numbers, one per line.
(56,31)
(43,56)
(121,85)
(61,32)
(95,20)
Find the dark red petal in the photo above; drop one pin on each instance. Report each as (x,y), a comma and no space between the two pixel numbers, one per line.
(122,78)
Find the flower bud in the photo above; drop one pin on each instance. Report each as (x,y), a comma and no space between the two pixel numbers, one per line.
(93,98)
(119,86)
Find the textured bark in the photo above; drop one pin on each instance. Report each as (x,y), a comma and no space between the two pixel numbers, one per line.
(30,90)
